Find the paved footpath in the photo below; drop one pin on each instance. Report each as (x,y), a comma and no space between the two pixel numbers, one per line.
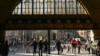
(66,53)
(53,53)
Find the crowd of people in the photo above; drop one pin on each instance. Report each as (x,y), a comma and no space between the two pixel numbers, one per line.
(91,47)
(76,45)
(43,46)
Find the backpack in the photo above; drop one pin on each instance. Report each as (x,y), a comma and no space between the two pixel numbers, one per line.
(74,42)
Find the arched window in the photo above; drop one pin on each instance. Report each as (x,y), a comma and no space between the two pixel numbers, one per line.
(51,7)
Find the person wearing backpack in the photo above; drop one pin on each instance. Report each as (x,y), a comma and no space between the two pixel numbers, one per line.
(74,45)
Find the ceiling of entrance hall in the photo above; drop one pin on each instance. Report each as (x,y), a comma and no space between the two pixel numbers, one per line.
(29,7)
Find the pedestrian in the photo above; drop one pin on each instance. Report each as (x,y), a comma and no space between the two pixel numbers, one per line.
(5,48)
(74,45)
(79,46)
(98,49)
(27,47)
(90,47)
(86,46)
(98,45)
(34,44)
(45,43)
(40,47)
(58,46)
(69,47)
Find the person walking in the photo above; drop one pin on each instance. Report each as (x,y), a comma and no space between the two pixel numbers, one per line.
(40,47)
(58,46)
(45,43)
(35,43)
(74,45)
(69,47)
(5,48)
(98,49)
(79,46)
(86,45)
(90,47)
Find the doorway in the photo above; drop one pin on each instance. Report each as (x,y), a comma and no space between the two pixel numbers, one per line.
(20,40)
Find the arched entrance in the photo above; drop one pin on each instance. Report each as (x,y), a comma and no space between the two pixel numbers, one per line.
(55,25)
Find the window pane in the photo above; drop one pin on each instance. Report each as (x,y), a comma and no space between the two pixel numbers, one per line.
(68,11)
(35,5)
(63,11)
(23,11)
(49,6)
(41,11)
(57,11)
(16,11)
(34,11)
(52,11)
(30,11)
(19,6)
(19,11)
(30,5)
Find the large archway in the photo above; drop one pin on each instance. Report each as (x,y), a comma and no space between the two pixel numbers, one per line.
(27,24)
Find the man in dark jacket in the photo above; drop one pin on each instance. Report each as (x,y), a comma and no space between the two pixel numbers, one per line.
(35,43)
(5,48)
(58,46)
(40,47)
(45,43)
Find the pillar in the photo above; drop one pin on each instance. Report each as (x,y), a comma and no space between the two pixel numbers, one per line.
(49,41)
(2,33)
